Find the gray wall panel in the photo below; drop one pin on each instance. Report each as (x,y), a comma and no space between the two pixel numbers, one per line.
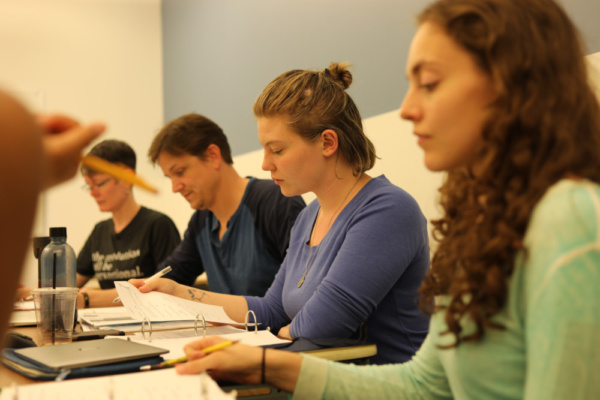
(219,54)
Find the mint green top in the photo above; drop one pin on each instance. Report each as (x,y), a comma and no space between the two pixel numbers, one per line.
(550,348)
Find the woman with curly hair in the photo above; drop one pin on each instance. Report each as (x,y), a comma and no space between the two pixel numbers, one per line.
(499,98)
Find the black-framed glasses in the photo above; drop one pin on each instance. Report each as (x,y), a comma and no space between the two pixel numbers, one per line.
(98,185)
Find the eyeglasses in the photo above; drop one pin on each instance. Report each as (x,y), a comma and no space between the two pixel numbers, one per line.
(98,185)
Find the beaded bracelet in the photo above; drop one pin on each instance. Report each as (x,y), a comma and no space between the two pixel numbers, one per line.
(86,299)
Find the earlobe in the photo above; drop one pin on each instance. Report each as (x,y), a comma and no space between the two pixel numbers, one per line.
(329,139)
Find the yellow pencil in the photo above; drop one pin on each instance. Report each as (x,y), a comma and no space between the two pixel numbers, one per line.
(101,165)
(170,363)
(219,346)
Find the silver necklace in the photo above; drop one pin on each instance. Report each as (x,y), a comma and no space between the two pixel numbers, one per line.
(311,256)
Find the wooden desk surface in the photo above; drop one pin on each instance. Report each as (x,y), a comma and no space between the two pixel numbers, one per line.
(7,376)
(257,392)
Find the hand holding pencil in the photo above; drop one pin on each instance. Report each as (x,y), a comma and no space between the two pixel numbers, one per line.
(175,361)
(159,274)
(236,363)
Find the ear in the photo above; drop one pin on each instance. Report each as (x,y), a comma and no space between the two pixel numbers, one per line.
(329,140)
(212,155)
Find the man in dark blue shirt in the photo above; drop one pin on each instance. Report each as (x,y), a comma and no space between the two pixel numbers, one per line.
(240,232)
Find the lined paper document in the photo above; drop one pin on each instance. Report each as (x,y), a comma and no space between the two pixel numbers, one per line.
(149,385)
(158,306)
(119,318)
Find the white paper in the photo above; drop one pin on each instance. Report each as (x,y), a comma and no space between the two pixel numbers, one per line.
(119,318)
(22,318)
(24,305)
(148,385)
(157,306)
(176,340)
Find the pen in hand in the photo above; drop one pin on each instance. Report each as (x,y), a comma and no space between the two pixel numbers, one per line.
(159,274)
(171,363)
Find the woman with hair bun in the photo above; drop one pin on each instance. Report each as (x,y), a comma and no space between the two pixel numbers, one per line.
(357,253)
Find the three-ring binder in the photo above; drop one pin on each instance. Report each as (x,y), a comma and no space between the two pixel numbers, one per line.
(246,321)
(146,326)
(203,325)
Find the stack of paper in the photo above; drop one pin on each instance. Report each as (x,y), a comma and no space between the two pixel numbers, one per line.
(119,318)
(149,385)
(23,313)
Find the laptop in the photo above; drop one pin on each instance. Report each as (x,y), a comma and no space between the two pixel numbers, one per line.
(88,353)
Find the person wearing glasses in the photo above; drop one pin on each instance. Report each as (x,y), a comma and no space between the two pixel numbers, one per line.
(128,245)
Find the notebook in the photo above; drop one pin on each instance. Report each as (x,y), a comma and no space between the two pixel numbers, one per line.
(88,353)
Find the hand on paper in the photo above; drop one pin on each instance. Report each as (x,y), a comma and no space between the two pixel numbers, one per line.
(64,140)
(284,333)
(163,285)
(237,363)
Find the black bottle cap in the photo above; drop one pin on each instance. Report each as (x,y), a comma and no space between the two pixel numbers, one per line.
(58,232)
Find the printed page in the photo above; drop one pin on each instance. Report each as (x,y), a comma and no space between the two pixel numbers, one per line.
(149,385)
(119,318)
(158,306)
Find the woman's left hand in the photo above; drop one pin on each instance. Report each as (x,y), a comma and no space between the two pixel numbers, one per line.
(284,333)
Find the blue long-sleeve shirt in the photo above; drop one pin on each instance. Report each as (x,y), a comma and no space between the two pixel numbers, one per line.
(364,277)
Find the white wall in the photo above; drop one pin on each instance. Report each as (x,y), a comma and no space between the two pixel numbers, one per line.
(96,60)
(102,59)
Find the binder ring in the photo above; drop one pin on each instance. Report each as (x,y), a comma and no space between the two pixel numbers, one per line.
(145,321)
(203,325)
(246,321)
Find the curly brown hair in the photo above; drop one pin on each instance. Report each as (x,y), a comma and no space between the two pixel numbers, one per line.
(545,126)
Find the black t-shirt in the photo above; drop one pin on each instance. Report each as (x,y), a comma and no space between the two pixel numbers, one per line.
(135,252)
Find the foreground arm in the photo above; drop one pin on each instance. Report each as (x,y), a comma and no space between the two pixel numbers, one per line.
(30,161)
(21,155)
(312,378)
(235,306)
(243,364)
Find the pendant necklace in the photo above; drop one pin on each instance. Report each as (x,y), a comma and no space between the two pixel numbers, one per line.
(311,255)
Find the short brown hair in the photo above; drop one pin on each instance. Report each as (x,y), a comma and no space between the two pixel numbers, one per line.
(189,134)
(315,101)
